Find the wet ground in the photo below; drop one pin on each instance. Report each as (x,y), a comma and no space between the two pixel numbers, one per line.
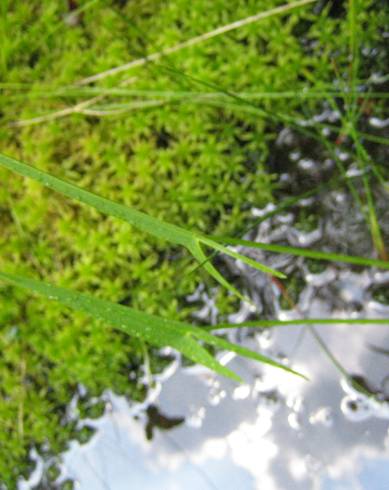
(275,431)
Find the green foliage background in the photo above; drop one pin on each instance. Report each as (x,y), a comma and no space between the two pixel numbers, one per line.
(198,165)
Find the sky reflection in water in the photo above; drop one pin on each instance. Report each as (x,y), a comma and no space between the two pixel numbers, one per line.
(274,432)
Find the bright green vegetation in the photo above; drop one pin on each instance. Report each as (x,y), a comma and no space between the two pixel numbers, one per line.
(149,328)
(187,138)
(192,241)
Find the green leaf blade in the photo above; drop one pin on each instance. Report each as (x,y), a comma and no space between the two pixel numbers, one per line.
(308,253)
(143,221)
(243,351)
(153,226)
(246,260)
(151,329)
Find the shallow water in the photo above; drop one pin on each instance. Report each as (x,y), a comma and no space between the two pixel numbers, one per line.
(274,431)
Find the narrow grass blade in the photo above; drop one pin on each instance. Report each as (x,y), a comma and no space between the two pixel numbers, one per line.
(221,343)
(339,366)
(153,226)
(149,328)
(198,253)
(379,350)
(323,347)
(300,321)
(49,92)
(281,206)
(252,263)
(303,252)
(153,57)
(143,221)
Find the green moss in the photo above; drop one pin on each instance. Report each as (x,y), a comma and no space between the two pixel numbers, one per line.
(67,485)
(307,220)
(381,294)
(315,266)
(294,285)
